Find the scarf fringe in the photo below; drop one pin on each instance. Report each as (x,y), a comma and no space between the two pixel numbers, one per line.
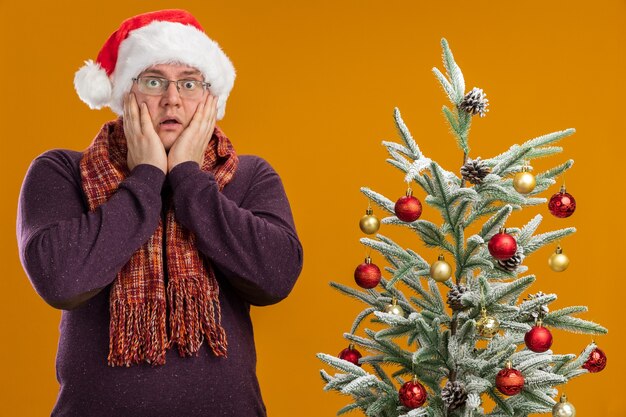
(143,336)
(192,317)
(217,340)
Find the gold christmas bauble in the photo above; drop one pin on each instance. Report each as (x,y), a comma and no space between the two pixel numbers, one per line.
(524,182)
(369,223)
(563,408)
(394,308)
(558,260)
(487,326)
(440,271)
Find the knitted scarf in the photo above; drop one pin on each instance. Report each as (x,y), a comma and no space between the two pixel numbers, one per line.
(139,301)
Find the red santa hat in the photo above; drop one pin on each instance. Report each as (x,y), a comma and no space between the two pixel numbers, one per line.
(164,36)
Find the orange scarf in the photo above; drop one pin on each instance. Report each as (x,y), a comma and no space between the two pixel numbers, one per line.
(138,297)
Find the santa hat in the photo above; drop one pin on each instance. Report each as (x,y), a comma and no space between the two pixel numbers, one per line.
(165,36)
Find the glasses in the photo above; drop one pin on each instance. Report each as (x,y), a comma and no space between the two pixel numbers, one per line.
(156,86)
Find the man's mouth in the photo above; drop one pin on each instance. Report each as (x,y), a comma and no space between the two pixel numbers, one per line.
(169,122)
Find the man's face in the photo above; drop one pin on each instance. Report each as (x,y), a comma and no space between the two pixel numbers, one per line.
(170,113)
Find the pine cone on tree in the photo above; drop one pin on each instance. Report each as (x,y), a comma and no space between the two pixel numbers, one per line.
(542,310)
(475,102)
(454,297)
(454,395)
(512,263)
(475,170)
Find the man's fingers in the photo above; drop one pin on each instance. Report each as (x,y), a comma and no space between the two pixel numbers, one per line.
(146,121)
(205,107)
(200,113)
(134,115)
(208,116)
(125,115)
(197,124)
(130,122)
(213,110)
(214,107)
(209,127)
(212,113)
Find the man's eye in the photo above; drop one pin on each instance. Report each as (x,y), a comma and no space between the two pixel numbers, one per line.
(189,84)
(153,83)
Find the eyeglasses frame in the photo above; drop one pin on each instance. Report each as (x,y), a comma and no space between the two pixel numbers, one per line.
(205,85)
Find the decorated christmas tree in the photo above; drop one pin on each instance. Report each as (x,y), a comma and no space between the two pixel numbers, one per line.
(442,353)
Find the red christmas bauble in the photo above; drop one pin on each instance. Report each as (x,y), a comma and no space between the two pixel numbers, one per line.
(408,208)
(502,245)
(412,394)
(596,361)
(350,354)
(367,274)
(538,339)
(562,204)
(509,381)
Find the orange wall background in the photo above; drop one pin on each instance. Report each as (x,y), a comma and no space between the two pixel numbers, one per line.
(317,84)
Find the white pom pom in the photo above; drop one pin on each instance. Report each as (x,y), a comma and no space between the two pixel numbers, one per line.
(92,85)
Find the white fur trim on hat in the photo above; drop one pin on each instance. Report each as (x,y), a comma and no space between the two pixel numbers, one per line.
(92,85)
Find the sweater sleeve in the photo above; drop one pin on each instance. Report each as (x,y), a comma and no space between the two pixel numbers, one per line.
(69,253)
(256,245)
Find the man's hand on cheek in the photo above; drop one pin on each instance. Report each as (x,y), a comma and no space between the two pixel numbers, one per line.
(192,142)
(143,143)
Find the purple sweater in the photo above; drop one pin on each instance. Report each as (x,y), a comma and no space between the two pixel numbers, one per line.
(72,256)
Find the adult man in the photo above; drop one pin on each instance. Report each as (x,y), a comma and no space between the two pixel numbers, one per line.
(158,235)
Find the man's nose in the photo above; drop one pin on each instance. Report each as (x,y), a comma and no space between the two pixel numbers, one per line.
(171,96)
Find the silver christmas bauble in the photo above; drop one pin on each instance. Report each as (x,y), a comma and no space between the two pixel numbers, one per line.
(394,308)
(563,408)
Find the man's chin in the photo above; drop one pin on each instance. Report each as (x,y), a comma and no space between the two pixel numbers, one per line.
(168,140)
